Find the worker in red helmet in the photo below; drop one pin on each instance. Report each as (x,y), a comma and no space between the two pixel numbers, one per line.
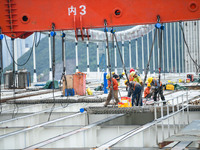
(131,70)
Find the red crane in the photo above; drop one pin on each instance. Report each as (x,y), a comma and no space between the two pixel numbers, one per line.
(20,18)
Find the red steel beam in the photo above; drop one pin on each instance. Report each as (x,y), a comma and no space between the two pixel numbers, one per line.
(38,15)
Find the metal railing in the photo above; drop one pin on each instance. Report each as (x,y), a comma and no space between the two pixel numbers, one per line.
(181,105)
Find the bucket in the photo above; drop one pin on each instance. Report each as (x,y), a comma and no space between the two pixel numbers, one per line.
(125,102)
(79,83)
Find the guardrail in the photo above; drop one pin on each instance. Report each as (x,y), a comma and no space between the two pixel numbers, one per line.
(184,103)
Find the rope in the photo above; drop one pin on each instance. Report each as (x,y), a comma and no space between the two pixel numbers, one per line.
(37,43)
(1,69)
(160,46)
(195,63)
(13,53)
(63,74)
(53,70)
(147,68)
(120,56)
(109,65)
(15,107)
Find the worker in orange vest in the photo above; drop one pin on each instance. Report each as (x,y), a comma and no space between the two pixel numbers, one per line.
(158,89)
(147,91)
(115,90)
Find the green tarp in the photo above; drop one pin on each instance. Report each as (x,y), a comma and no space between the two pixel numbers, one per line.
(178,87)
(49,85)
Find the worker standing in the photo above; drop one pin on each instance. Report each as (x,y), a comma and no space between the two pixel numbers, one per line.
(135,92)
(136,78)
(115,90)
(116,76)
(158,89)
(147,92)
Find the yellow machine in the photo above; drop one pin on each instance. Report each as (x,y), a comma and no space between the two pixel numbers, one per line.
(170,87)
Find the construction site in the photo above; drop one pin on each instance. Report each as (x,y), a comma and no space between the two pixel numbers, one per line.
(107,108)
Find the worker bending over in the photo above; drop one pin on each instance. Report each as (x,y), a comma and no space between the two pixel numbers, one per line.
(158,89)
(122,75)
(135,89)
(147,92)
(126,84)
(115,90)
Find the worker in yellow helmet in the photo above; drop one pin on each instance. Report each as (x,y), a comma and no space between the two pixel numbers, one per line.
(116,76)
(126,84)
(158,89)
(122,75)
(136,78)
(115,90)
(147,92)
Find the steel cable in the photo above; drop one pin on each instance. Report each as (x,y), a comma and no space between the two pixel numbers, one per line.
(13,54)
(183,33)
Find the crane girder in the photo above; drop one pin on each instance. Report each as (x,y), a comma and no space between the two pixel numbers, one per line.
(20,18)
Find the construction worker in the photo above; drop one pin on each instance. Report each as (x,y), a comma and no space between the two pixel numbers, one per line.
(131,70)
(116,76)
(135,92)
(131,78)
(122,75)
(136,78)
(147,92)
(115,90)
(158,89)
(137,71)
(126,84)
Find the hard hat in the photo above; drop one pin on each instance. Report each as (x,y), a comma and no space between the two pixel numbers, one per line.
(148,85)
(131,70)
(125,82)
(150,79)
(123,73)
(113,73)
(108,76)
(132,73)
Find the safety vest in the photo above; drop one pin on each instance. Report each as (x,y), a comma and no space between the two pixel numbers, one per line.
(131,78)
(134,86)
(156,83)
(138,79)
